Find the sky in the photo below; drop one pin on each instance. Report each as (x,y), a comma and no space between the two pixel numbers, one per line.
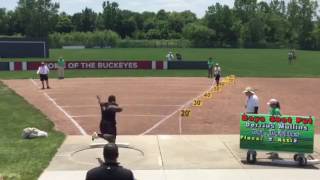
(72,6)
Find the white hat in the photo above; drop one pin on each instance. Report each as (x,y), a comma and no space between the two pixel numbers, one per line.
(272,101)
(249,89)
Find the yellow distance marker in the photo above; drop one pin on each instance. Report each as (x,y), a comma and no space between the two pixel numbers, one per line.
(214,89)
(185,113)
(208,95)
(197,103)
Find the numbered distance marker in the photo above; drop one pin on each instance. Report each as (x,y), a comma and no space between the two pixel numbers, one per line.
(208,95)
(185,113)
(197,103)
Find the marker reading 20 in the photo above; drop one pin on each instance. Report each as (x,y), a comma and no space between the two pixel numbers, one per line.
(185,113)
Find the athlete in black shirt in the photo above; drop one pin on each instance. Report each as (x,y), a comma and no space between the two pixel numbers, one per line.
(108,122)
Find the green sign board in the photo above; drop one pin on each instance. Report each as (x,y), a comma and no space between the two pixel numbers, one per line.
(277,133)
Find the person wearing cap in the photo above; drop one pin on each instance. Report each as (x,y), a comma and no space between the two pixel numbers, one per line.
(274,107)
(217,73)
(108,128)
(43,72)
(274,110)
(210,68)
(252,105)
(60,66)
(110,168)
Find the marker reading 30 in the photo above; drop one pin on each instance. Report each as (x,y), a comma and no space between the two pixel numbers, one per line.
(197,103)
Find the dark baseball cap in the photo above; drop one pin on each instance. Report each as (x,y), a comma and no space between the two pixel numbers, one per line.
(110,151)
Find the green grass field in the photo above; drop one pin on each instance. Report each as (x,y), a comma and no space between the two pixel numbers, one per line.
(19,158)
(241,62)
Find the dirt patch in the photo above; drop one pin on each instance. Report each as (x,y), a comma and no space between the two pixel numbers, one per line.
(155,102)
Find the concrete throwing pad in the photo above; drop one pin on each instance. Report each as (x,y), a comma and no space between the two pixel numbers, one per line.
(168,157)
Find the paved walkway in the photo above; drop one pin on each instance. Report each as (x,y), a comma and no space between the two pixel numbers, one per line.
(176,157)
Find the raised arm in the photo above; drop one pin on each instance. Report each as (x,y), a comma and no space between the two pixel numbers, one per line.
(100,103)
(114,108)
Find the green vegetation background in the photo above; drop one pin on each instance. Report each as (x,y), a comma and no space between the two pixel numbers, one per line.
(241,62)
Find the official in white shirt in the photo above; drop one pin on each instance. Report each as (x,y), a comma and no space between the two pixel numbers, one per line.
(43,72)
(217,73)
(252,105)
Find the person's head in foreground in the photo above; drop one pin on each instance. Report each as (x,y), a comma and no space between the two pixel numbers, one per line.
(249,91)
(110,153)
(112,99)
(42,64)
(110,169)
(273,103)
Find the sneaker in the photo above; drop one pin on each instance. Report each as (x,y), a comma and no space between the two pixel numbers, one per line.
(48,87)
(94,136)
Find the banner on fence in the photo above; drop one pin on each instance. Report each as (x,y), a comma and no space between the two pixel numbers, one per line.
(96,65)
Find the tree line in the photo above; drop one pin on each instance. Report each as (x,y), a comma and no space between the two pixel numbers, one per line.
(249,23)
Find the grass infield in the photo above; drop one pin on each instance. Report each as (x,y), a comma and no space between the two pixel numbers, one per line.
(19,158)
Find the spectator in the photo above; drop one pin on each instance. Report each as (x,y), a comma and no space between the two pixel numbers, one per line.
(110,169)
(252,105)
(170,56)
(290,57)
(274,110)
(61,65)
(43,72)
(210,68)
(274,107)
(294,55)
(179,57)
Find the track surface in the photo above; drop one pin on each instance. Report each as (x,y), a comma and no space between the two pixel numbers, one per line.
(152,105)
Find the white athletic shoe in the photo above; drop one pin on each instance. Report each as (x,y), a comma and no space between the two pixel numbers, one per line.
(94,136)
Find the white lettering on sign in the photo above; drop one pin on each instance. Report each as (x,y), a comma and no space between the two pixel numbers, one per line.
(51,65)
(117,65)
(88,65)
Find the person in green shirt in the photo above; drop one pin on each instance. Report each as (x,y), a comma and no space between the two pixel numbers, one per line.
(274,107)
(210,68)
(60,66)
(274,110)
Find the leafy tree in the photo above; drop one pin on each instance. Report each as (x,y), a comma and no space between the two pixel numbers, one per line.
(4,21)
(200,35)
(221,19)
(37,17)
(245,9)
(64,24)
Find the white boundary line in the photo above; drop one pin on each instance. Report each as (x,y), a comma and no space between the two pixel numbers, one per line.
(121,115)
(82,131)
(125,105)
(34,83)
(172,114)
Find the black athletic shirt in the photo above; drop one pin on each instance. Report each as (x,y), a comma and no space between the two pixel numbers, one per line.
(107,115)
(110,171)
